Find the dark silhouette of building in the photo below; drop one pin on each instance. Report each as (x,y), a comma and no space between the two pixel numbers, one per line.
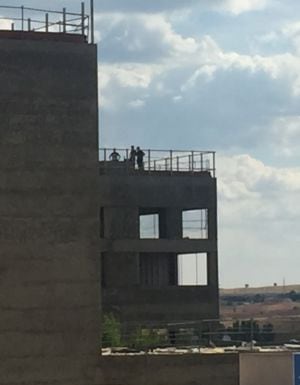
(49,222)
(158,234)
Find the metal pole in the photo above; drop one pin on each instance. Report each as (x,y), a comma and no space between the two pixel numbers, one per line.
(47,22)
(22,16)
(192,160)
(29,24)
(12,26)
(214,164)
(82,19)
(171,160)
(177,161)
(64,20)
(196,255)
(201,161)
(92,22)
(251,334)
(149,160)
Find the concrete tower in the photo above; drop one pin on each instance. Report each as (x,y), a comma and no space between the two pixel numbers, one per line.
(49,230)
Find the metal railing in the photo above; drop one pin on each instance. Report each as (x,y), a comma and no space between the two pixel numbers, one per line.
(23,18)
(160,160)
(229,334)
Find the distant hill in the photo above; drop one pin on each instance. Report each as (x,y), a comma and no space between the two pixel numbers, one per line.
(260,290)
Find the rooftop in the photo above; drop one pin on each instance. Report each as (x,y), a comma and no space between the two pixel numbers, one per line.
(158,161)
(44,24)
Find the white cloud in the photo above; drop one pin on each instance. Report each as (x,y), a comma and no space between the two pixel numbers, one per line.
(5,23)
(285,135)
(259,221)
(268,191)
(138,103)
(239,6)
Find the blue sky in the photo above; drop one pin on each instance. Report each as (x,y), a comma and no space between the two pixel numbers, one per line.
(221,75)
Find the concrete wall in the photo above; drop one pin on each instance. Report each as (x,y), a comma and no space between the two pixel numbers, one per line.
(187,369)
(266,369)
(123,196)
(49,226)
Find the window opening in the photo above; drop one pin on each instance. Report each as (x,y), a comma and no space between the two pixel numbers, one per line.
(149,226)
(192,269)
(195,224)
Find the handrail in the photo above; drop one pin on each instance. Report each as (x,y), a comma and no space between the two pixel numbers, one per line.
(159,160)
(64,21)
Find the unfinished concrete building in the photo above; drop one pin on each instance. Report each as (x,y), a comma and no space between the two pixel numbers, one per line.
(159,238)
(49,222)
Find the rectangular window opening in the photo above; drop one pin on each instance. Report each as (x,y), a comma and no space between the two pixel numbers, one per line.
(158,269)
(195,224)
(149,226)
(192,269)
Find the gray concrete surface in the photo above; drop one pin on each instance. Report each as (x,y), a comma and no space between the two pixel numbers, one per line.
(187,369)
(266,368)
(49,222)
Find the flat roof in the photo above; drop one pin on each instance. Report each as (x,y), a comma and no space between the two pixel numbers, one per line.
(43,36)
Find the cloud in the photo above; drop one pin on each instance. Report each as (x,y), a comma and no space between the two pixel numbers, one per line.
(5,23)
(239,6)
(187,80)
(285,134)
(259,220)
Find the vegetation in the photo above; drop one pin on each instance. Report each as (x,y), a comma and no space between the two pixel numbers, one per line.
(111,327)
(139,339)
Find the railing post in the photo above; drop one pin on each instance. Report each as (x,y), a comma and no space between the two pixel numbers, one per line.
(171,160)
(166,164)
(92,21)
(154,163)
(29,24)
(214,164)
(149,160)
(105,155)
(64,21)
(82,19)
(189,162)
(177,161)
(251,334)
(12,26)
(22,16)
(192,160)
(47,22)
(201,161)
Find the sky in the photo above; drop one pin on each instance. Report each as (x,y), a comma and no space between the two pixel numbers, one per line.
(219,75)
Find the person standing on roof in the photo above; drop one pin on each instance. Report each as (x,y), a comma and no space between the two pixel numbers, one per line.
(114,156)
(132,156)
(140,158)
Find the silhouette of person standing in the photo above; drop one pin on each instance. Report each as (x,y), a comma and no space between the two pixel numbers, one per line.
(132,156)
(114,156)
(140,158)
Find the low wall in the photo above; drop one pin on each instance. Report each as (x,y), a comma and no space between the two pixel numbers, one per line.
(187,369)
(266,368)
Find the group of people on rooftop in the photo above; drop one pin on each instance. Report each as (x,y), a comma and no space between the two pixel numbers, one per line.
(135,156)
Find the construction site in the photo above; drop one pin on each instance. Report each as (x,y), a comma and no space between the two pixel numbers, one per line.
(87,232)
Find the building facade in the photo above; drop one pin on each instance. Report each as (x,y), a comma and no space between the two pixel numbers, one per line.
(159,239)
(49,223)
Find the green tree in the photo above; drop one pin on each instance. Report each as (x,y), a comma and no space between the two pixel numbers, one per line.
(111,327)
